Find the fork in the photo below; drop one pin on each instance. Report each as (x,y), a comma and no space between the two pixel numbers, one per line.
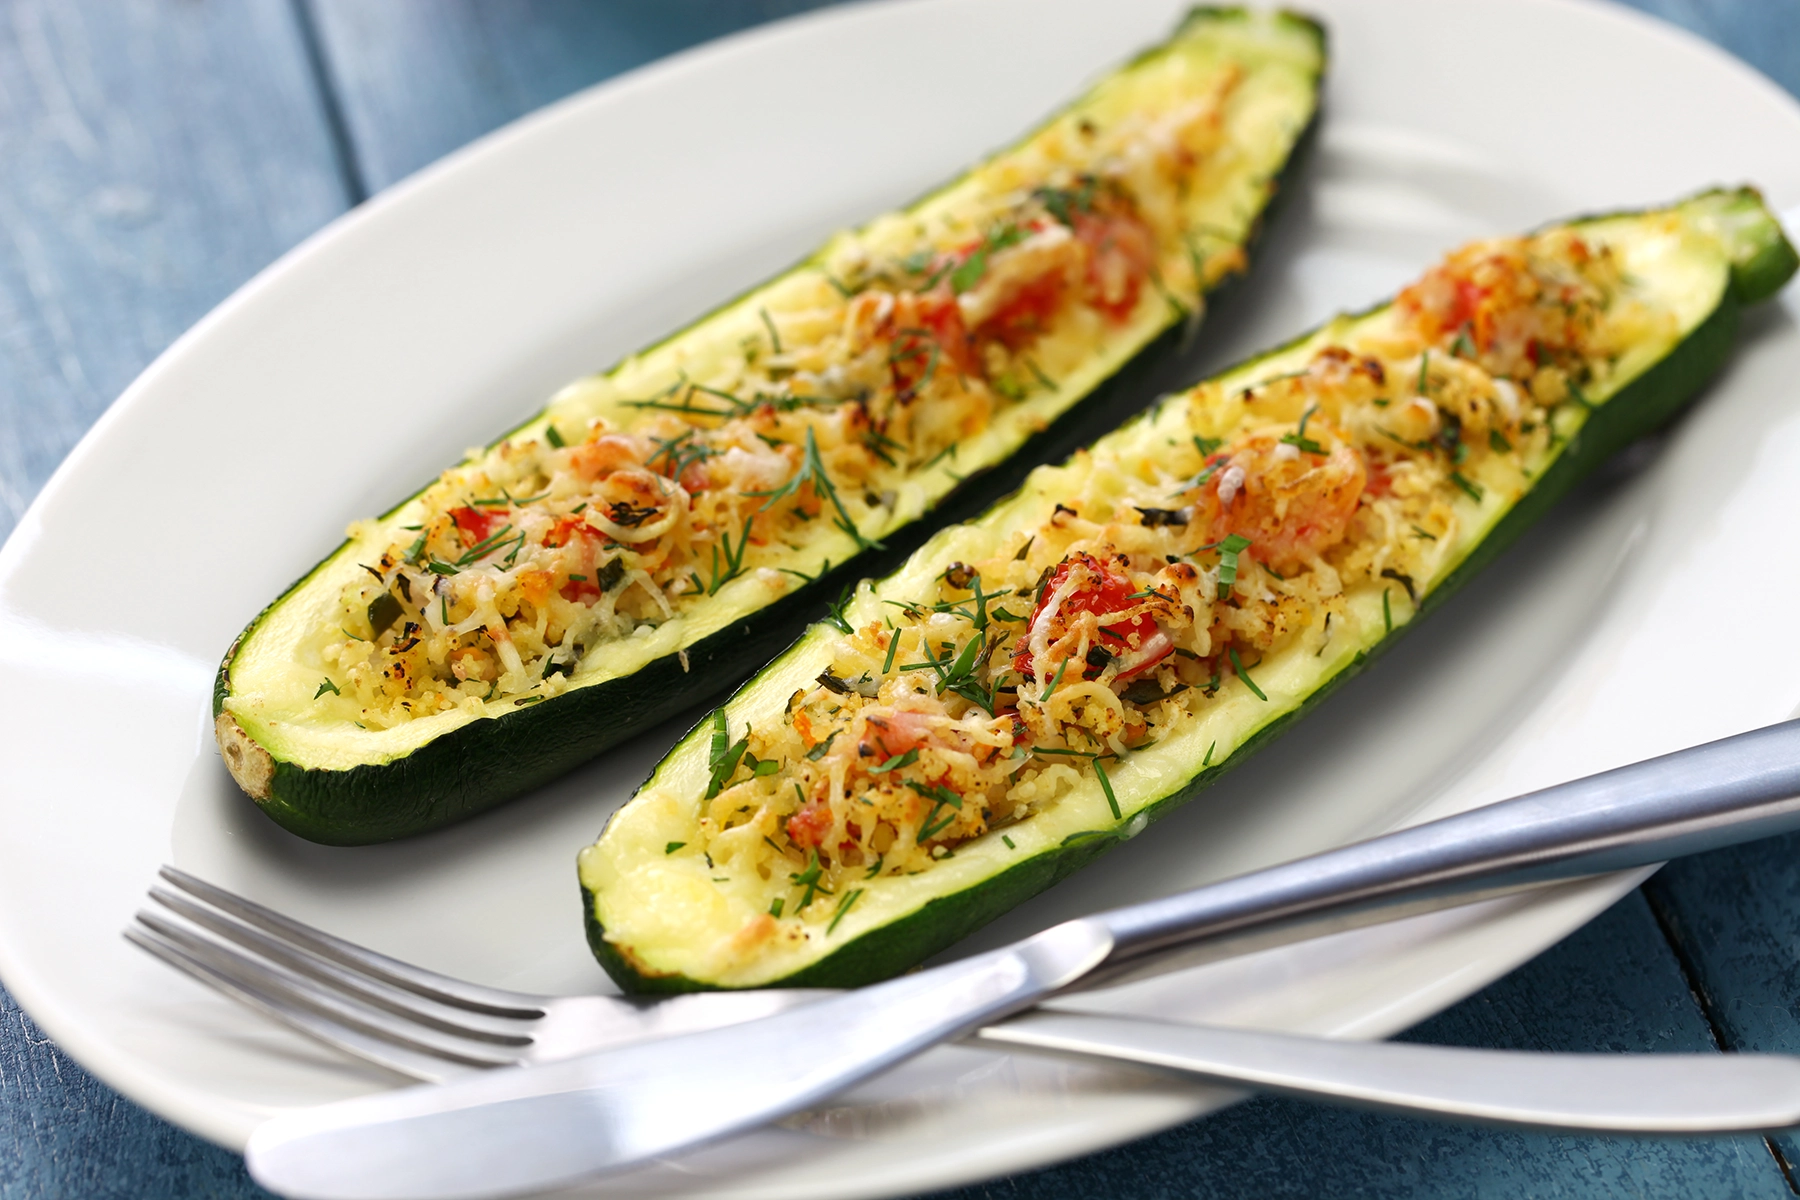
(436,1028)
(414,1021)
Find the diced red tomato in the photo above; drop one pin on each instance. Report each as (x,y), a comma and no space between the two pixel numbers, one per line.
(1122,252)
(808,827)
(1028,313)
(578,591)
(569,527)
(929,337)
(476,524)
(1139,642)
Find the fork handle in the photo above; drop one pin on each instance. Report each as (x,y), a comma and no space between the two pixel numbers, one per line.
(1595,1093)
(1718,794)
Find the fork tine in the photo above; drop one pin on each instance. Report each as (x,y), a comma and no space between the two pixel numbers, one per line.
(443,988)
(309,1008)
(462,1022)
(398,1059)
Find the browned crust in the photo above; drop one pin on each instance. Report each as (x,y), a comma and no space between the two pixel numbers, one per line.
(249,764)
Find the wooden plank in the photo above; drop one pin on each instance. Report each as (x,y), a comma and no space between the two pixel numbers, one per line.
(157,155)
(1767,36)
(65,1134)
(418,78)
(1734,915)
(1609,987)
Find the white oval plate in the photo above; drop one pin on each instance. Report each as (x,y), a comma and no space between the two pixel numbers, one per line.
(447,308)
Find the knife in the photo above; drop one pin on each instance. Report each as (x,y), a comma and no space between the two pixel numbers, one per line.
(517,1130)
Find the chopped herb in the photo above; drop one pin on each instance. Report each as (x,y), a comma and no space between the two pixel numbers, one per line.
(1112,801)
(484,547)
(1237,665)
(1206,446)
(725,754)
(969,272)
(843,910)
(1229,549)
(1047,383)
(1497,442)
(1056,679)
(1299,438)
(1430,537)
(1474,492)
(862,685)
(553,437)
(417,549)
(1424,365)
(672,847)
(1064,203)
(823,748)
(1207,761)
(896,762)
(812,471)
(769,324)
(1059,750)
(522,701)
(384,610)
(775,907)
(875,868)
(1148,691)
(809,879)
(1008,841)
(1404,580)
(1019,557)
(834,612)
(1462,347)
(1153,517)
(440,568)
(327,686)
(610,574)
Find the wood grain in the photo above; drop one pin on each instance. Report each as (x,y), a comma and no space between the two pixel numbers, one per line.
(418,78)
(156,156)
(1609,987)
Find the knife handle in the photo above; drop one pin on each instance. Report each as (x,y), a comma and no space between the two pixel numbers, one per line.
(1598,1093)
(1734,790)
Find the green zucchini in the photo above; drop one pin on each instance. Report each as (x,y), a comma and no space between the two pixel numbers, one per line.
(1452,419)
(353,709)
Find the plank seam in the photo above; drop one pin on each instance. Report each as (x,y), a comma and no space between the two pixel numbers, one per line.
(1691,976)
(343,146)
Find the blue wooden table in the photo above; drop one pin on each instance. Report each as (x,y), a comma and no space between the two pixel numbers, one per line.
(157,153)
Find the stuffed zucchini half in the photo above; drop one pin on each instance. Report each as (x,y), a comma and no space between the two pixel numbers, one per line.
(1035,686)
(664,528)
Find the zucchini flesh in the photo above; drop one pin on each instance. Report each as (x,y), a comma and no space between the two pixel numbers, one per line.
(387,693)
(1465,421)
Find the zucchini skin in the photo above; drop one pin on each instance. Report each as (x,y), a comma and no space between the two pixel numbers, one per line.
(488,762)
(1647,404)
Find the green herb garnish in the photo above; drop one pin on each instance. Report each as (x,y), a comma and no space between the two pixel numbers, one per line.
(327,686)
(1229,549)
(896,762)
(1238,666)
(1112,801)
(843,910)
